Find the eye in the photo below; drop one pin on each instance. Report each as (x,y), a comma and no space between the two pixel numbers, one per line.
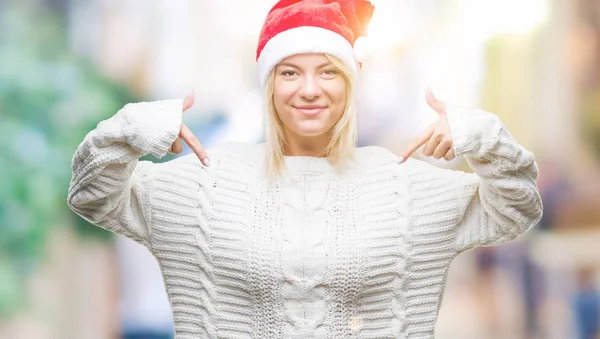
(288,73)
(330,72)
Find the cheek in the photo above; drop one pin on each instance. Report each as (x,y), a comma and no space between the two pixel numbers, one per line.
(337,92)
(282,93)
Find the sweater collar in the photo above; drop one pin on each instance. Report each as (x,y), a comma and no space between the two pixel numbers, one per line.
(307,164)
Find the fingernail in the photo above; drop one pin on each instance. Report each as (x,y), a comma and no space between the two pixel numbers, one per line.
(191,92)
(206,162)
(400,159)
(429,89)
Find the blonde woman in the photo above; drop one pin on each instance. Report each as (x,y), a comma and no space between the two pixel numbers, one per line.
(305,235)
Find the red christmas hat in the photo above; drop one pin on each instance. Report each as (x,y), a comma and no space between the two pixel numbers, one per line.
(312,26)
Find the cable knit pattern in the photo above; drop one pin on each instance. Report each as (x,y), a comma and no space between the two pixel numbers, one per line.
(317,254)
(304,248)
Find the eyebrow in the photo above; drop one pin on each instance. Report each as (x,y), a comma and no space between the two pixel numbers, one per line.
(295,66)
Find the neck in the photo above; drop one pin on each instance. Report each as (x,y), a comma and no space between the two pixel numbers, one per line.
(298,145)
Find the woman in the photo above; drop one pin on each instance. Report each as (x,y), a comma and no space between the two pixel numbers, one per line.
(305,235)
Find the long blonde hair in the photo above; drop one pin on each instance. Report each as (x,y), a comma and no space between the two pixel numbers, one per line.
(342,142)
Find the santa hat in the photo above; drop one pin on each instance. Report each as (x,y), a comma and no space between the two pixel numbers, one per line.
(313,26)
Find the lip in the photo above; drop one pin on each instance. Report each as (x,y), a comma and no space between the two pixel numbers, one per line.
(310,110)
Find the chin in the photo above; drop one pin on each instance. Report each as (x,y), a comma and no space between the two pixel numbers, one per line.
(309,132)
(314,130)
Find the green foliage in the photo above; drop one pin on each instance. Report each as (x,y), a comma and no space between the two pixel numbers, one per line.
(589,110)
(50,99)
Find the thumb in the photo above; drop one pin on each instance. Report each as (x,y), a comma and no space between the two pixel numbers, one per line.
(433,102)
(189,100)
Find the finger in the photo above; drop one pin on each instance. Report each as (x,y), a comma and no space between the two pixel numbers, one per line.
(434,103)
(442,149)
(450,154)
(432,143)
(194,144)
(189,101)
(177,147)
(416,143)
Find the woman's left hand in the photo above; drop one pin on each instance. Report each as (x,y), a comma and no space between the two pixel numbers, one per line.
(437,135)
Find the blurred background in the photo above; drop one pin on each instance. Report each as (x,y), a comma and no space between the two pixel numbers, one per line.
(67,65)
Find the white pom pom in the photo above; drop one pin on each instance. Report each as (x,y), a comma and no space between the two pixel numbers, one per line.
(362,49)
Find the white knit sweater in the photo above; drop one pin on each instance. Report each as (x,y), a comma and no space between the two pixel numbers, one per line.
(320,254)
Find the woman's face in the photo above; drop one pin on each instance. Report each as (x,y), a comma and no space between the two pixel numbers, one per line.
(309,94)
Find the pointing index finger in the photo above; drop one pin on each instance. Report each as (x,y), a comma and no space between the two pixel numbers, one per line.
(417,142)
(194,144)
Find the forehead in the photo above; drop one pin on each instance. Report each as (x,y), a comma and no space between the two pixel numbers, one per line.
(306,60)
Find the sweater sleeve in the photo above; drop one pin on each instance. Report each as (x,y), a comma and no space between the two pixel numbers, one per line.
(500,200)
(109,187)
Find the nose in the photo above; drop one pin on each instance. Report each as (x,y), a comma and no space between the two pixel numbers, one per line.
(309,88)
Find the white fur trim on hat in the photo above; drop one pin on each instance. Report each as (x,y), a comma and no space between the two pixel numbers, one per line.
(304,39)
(363,49)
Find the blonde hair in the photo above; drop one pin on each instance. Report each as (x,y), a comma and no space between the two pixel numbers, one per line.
(342,142)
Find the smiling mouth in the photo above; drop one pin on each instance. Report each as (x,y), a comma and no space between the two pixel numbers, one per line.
(310,110)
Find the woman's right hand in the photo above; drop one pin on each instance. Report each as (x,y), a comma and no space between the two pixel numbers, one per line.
(189,137)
